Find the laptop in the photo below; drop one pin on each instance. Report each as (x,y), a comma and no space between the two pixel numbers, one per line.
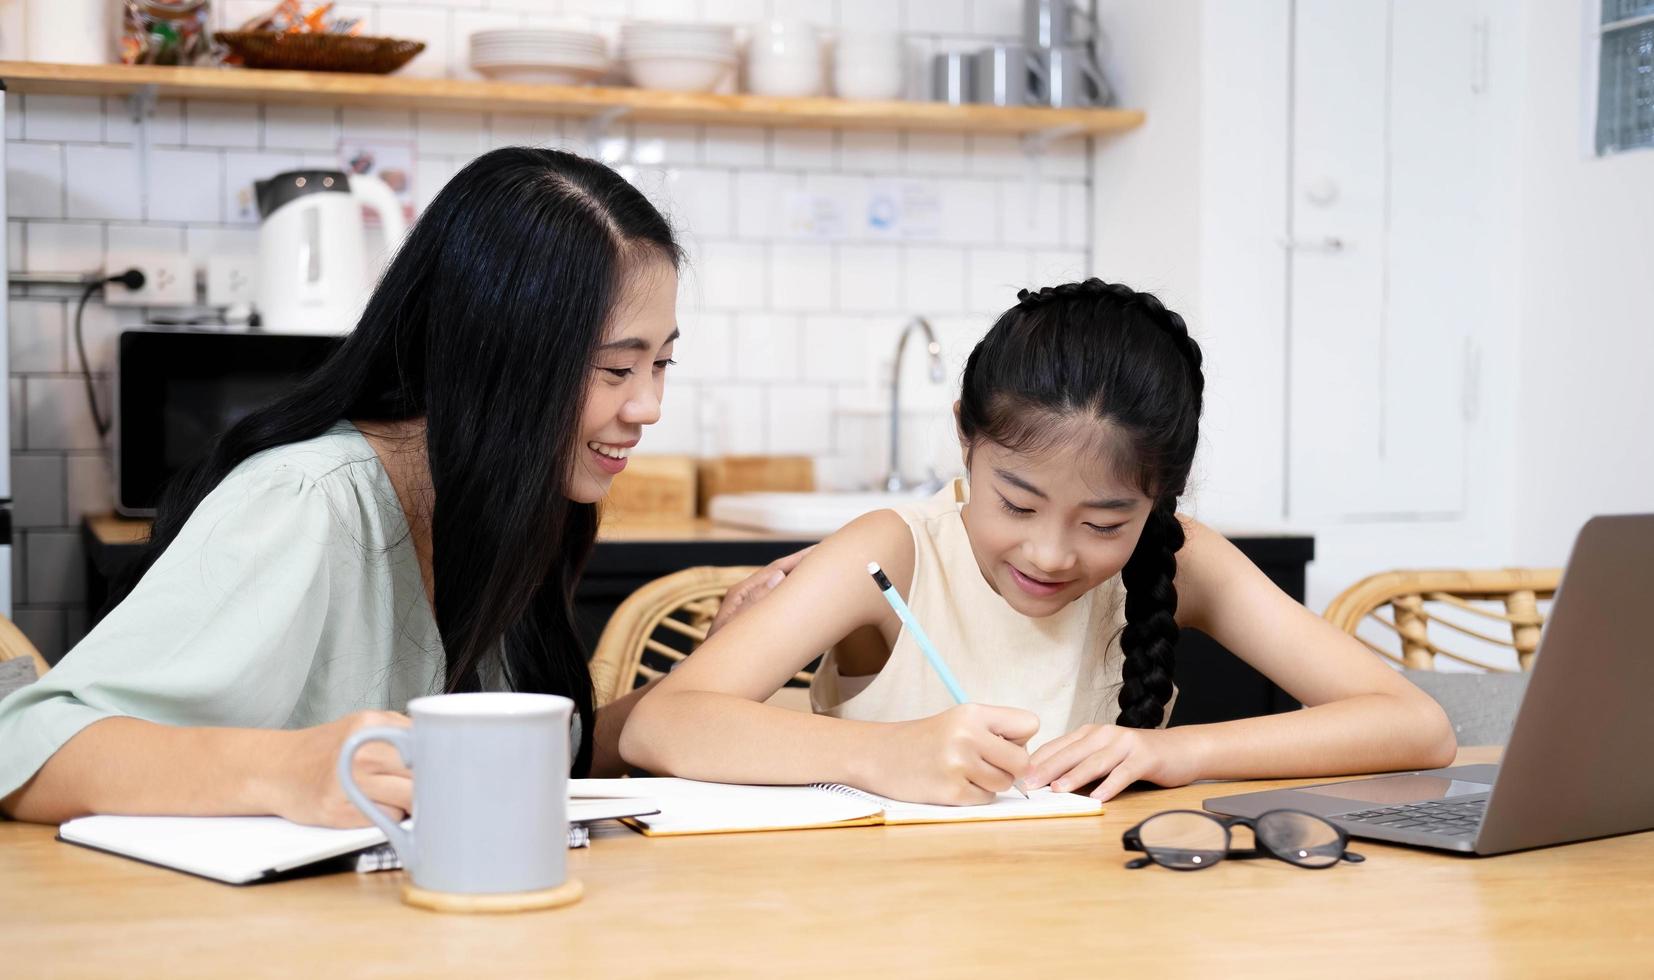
(1576,766)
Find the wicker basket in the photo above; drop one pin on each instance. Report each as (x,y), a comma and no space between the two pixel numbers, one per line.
(320,52)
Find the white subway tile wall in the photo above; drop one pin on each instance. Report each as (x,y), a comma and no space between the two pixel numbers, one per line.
(808,249)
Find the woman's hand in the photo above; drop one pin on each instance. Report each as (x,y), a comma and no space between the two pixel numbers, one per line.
(1118,756)
(304,771)
(964,755)
(754,587)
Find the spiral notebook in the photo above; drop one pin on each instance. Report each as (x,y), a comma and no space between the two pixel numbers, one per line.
(689,806)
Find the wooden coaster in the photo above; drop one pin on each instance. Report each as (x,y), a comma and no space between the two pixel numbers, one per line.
(567,893)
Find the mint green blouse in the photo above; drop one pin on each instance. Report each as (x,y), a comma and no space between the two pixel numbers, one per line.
(291,597)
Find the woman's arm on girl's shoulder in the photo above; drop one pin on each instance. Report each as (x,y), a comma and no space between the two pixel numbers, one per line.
(1360,715)
(704,720)
(611,717)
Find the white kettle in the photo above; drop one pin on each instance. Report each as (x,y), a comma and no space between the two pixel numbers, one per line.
(313,274)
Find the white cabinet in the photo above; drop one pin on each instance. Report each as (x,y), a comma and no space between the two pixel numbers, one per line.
(1389,256)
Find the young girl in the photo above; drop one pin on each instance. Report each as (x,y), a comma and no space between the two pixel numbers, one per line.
(411,519)
(1053,581)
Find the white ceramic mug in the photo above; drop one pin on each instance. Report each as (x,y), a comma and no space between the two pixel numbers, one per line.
(490,797)
(70,31)
(869,66)
(784,59)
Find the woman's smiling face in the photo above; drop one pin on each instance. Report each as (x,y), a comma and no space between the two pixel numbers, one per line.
(629,378)
(1049,526)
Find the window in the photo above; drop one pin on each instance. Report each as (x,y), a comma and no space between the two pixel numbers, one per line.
(1625,89)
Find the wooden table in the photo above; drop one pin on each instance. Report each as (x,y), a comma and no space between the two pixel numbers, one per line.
(1048,897)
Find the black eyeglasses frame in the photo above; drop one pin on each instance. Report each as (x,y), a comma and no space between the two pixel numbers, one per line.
(1132,840)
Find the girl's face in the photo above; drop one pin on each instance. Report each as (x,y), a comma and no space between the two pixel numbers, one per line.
(1047,528)
(629,379)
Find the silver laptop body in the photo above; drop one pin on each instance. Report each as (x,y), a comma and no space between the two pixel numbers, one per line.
(1578,764)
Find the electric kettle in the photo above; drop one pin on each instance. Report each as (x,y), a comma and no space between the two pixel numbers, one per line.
(313,274)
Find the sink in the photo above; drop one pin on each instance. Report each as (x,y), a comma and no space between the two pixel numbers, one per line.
(814,514)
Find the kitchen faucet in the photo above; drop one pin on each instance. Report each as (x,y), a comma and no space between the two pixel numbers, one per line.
(893,481)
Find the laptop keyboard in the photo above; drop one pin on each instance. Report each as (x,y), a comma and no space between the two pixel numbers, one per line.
(1446,817)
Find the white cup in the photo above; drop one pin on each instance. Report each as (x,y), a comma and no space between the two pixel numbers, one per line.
(490,791)
(788,39)
(869,66)
(76,32)
(784,59)
(785,79)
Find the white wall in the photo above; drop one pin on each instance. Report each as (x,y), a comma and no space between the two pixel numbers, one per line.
(1587,299)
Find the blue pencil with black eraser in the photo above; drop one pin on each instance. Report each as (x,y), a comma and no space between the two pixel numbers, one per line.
(929,649)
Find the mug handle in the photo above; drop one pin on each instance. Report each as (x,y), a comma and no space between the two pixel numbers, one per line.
(1039,81)
(402,740)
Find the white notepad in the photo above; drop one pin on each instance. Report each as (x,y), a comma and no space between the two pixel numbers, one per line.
(245,850)
(689,806)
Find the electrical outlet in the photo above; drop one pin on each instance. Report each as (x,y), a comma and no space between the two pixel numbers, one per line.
(169,279)
(231,280)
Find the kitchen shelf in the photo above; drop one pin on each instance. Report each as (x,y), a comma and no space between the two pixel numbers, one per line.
(603,102)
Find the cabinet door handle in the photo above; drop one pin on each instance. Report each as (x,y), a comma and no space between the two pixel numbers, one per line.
(1327,243)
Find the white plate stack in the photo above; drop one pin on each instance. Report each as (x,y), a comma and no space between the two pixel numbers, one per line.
(678,57)
(543,55)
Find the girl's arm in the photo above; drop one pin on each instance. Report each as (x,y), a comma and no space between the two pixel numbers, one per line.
(126,765)
(705,720)
(1359,715)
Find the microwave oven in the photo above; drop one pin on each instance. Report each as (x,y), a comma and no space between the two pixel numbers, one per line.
(177,390)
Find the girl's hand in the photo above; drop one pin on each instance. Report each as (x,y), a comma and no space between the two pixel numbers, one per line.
(754,587)
(964,755)
(1118,756)
(304,772)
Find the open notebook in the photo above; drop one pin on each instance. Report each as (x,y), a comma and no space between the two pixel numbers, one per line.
(247,850)
(688,806)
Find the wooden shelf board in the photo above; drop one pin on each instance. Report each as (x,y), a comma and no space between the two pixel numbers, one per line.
(391,91)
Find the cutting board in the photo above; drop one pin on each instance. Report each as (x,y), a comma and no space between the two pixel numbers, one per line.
(755,474)
(652,489)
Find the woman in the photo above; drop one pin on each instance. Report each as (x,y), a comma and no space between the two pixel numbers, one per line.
(411,519)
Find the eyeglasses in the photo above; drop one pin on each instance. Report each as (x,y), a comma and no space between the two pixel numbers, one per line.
(1188,840)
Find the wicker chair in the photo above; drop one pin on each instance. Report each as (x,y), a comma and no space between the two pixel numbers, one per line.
(13,644)
(1493,611)
(1448,599)
(662,623)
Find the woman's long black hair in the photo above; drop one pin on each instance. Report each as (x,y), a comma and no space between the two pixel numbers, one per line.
(485,324)
(1111,353)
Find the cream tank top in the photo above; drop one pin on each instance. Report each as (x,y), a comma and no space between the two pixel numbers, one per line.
(1065,667)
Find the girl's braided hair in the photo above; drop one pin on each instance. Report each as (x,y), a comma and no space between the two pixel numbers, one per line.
(1104,351)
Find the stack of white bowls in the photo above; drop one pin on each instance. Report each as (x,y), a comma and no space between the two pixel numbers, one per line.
(678,57)
(784,58)
(544,55)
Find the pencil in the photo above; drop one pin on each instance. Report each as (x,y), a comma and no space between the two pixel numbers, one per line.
(929,649)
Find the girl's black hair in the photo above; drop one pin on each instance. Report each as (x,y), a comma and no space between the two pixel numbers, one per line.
(1104,351)
(485,323)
